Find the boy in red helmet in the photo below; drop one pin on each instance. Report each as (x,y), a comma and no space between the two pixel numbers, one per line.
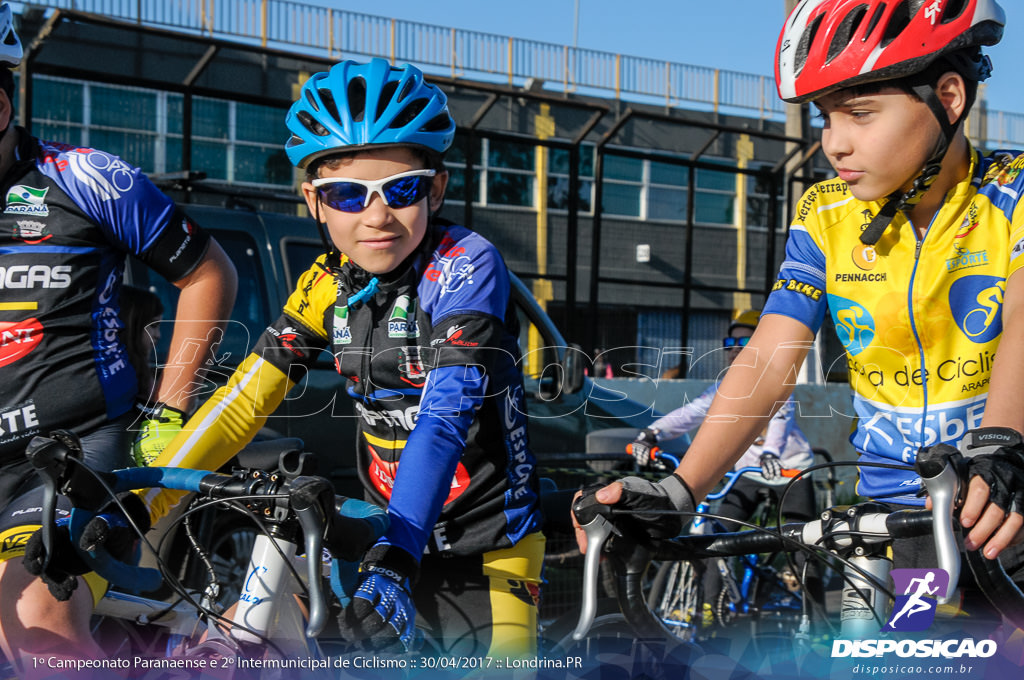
(913,250)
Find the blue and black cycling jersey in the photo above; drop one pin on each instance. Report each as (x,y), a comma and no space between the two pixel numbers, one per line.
(70,217)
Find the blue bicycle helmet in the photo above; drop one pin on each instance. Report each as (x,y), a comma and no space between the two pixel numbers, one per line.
(354,106)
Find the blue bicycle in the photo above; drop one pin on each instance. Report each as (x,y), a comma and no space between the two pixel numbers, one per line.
(767,595)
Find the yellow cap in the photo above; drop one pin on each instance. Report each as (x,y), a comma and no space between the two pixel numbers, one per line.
(747,317)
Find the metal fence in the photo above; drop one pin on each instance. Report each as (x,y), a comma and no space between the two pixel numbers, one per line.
(319,30)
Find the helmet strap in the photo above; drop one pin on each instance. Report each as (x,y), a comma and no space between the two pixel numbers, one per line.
(333,256)
(897,200)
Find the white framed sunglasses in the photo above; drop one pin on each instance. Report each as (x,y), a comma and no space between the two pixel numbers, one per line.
(353,195)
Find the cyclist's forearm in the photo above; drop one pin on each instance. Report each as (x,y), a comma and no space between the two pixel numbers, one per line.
(207,295)
(222,425)
(758,383)
(1002,409)
(426,474)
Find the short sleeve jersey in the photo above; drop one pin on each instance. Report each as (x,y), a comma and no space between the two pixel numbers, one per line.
(920,319)
(70,216)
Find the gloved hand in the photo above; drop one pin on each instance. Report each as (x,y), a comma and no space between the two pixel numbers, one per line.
(644,448)
(996,454)
(648,497)
(160,426)
(771,466)
(111,529)
(382,610)
(66,565)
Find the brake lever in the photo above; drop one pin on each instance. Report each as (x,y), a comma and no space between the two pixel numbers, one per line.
(309,510)
(937,466)
(598,528)
(49,457)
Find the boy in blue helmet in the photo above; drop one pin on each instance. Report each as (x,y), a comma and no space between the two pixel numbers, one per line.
(416,312)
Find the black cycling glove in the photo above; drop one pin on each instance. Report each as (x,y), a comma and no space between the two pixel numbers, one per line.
(644,448)
(66,565)
(650,500)
(113,531)
(771,466)
(996,454)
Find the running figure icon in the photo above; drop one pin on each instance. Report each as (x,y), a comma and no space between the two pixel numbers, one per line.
(916,605)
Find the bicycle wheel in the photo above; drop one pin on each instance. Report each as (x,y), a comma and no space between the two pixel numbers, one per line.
(676,597)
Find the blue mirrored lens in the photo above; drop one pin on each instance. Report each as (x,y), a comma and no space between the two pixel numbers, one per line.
(406,191)
(735,342)
(350,197)
(344,196)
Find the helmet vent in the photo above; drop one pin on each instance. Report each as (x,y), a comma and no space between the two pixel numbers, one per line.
(804,46)
(356,98)
(407,87)
(311,124)
(875,18)
(954,8)
(844,33)
(898,21)
(438,123)
(386,94)
(327,97)
(313,103)
(408,113)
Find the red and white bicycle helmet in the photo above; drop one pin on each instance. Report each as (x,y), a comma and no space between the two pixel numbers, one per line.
(827,45)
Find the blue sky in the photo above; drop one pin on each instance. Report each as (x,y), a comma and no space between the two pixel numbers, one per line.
(738,35)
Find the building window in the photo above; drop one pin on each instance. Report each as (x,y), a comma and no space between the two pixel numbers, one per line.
(623,186)
(231,141)
(503,173)
(510,173)
(558,179)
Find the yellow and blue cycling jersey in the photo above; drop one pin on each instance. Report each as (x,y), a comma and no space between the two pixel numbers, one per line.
(920,318)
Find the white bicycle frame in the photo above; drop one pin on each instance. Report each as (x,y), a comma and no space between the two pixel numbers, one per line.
(267,607)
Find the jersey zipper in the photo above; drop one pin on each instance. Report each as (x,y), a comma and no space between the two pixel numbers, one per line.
(913,325)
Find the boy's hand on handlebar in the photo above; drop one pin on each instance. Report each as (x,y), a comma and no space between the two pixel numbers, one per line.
(994,502)
(162,423)
(382,611)
(61,574)
(644,448)
(771,466)
(650,501)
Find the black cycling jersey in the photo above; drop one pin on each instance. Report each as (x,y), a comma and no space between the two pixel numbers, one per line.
(70,217)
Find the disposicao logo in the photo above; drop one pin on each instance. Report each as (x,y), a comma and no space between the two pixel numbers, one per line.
(915,607)
(917,592)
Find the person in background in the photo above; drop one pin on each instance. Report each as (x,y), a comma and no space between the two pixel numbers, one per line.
(780,445)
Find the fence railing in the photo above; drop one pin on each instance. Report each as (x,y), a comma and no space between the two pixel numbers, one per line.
(339,33)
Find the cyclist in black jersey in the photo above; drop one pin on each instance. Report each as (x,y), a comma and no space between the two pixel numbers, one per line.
(69,218)
(417,314)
